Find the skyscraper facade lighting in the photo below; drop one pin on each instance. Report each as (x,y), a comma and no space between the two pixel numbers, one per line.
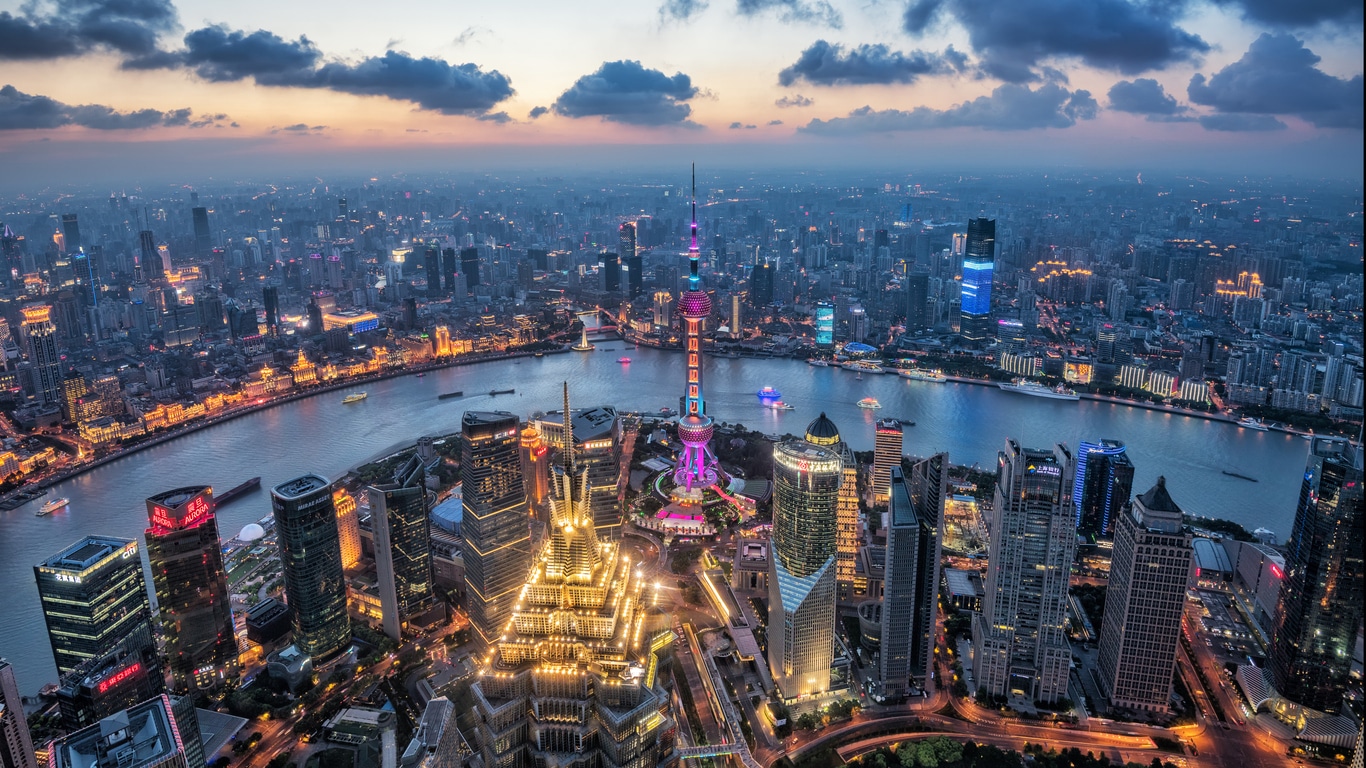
(403,555)
(696,468)
(1105,479)
(495,524)
(979,260)
(93,594)
(910,606)
(311,562)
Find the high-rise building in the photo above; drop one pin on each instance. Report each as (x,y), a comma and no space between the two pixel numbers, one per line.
(611,272)
(627,233)
(40,334)
(1149,569)
(311,562)
(918,301)
(149,258)
(910,605)
(635,275)
(887,440)
(801,578)
(469,266)
(431,267)
(1020,646)
(1105,479)
(270,297)
(203,240)
(979,259)
(761,282)
(824,433)
(16,746)
(825,325)
(162,732)
(192,588)
(403,555)
(597,452)
(495,524)
(1320,608)
(535,470)
(71,233)
(125,674)
(572,680)
(696,468)
(93,595)
(348,528)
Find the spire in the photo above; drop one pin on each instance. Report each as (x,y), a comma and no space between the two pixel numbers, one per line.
(568,434)
(693,278)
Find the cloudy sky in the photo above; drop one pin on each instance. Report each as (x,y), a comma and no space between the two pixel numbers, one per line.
(1273,84)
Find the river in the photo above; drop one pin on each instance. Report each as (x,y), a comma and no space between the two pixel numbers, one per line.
(320,434)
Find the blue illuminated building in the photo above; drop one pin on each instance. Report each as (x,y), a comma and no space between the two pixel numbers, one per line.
(1104,481)
(825,325)
(978,261)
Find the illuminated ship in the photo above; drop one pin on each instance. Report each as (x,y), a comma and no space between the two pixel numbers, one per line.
(1253,424)
(1026,387)
(818,363)
(356,398)
(779,405)
(769,393)
(869,403)
(52,506)
(916,374)
(862,366)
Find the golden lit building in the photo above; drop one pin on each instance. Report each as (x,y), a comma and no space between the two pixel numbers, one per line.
(348,528)
(304,371)
(824,433)
(886,454)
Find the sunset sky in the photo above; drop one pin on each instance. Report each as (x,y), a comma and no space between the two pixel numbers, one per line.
(1274,84)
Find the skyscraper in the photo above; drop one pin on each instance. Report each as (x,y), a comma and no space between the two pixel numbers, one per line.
(823,432)
(192,588)
(696,467)
(635,276)
(469,266)
(597,452)
(495,525)
(149,257)
(203,241)
(1020,645)
(93,594)
(270,297)
(761,285)
(978,262)
(918,301)
(16,746)
(403,556)
(71,233)
(1320,607)
(1105,479)
(573,678)
(910,606)
(311,562)
(41,336)
(431,268)
(1149,568)
(611,272)
(162,732)
(122,675)
(801,578)
(627,233)
(887,440)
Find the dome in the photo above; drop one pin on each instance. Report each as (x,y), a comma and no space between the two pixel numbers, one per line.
(694,304)
(251,532)
(822,431)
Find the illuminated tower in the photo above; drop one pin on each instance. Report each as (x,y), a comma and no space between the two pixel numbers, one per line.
(886,454)
(41,334)
(311,563)
(979,260)
(93,595)
(696,464)
(824,433)
(16,745)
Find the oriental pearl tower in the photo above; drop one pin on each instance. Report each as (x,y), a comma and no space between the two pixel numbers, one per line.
(696,468)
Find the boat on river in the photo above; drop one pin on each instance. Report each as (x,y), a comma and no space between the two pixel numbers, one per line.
(779,405)
(916,374)
(1035,389)
(1249,422)
(861,366)
(869,404)
(356,398)
(52,506)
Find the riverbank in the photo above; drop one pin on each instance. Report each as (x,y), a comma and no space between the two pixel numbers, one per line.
(188,429)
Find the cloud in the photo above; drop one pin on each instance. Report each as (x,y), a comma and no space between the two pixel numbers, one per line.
(1009,108)
(220,54)
(496,117)
(739,126)
(681,9)
(627,92)
(1015,39)
(1279,76)
(814,11)
(1143,96)
(537,112)
(775,122)
(1241,123)
(827,63)
(74,27)
(793,101)
(300,128)
(1297,13)
(22,111)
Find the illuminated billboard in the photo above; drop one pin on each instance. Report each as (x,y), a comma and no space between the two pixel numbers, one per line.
(825,325)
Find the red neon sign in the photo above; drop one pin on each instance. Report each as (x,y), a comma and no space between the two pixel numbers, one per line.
(195,513)
(118,677)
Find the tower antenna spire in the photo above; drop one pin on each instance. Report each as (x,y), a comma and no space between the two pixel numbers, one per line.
(568,434)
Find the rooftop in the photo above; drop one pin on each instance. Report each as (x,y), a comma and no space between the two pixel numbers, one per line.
(86,552)
(299,486)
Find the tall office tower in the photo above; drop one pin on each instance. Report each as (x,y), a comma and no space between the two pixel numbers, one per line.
(825,325)
(801,571)
(192,588)
(162,732)
(71,233)
(761,282)
(627,233)
(203,241)
(93,595)
(41,335)
(1020,645)
(16,746)
(495,525)
(1149,568)
(887,439)
(824,433)
(611,272)
(696,468)
(910,606)
(1105,479)
(598,454)
(149,257)
(635,276)
(311,562)
(535,471)
(449,269)
(736,321)
(1321,598)
(270,297)
(978,262)
(469,266)
(431,267)
(918,301)
(573,679)
(121,676)
(11,254)
(403,555)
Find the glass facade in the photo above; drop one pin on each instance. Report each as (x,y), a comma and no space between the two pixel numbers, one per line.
(496,526)
(403,555)
(93,595)
(311,559)
(978,262)
(909,603)
(825,325)
(1105,480)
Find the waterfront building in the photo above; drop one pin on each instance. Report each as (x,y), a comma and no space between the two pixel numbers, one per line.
(16,745)
(40,334)
(93,595)
(186,559)
(311,563)
(697,468)
(910,605)
(162,732)
(1020,645)
(823,432)
(1149,569)
(403,557)
(1105,480)
(801,579)
(979,259)
(597,451)
(572,680)
(887,442)
(495,524)
(1320,609)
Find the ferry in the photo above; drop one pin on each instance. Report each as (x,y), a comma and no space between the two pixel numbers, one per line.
(861,366)
(769,393)
(52,506)
(623,359)
(916,374)
(1248,422)
(420,374)
(818,363)
(869,403)
(1026,387)
(356,398)
(779,405)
